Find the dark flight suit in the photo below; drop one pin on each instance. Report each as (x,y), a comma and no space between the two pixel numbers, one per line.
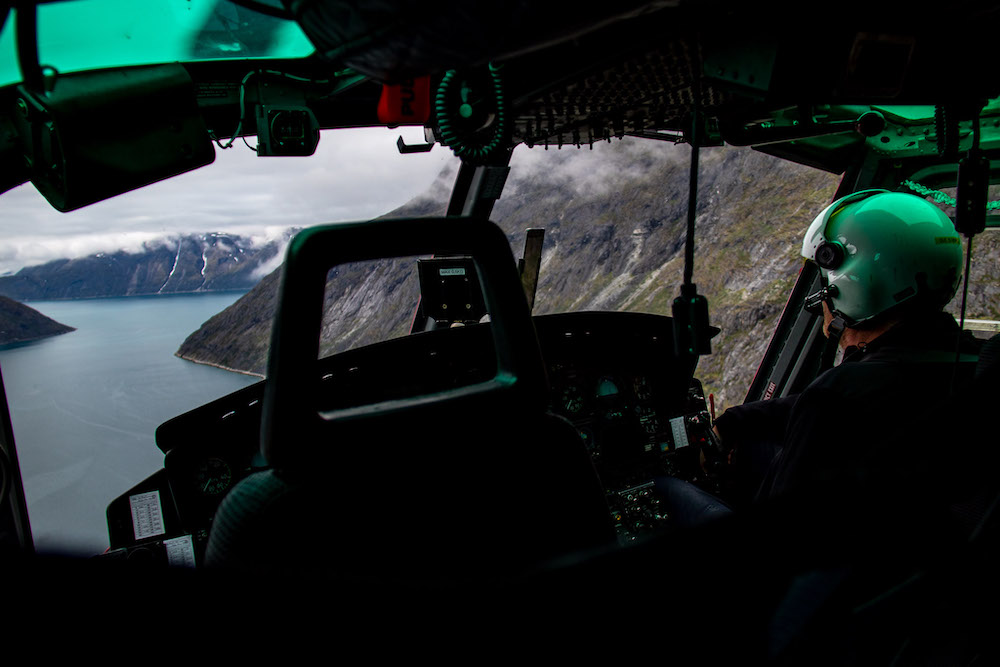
(870,436)
(857,480)
(866,418)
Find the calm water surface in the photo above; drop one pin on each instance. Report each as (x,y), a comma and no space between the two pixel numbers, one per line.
(85,405)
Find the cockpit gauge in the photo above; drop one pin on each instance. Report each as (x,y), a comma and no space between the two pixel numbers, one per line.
(647,419)
(610,399)
(606,388)
(571,399)
(640,385)
(213,477)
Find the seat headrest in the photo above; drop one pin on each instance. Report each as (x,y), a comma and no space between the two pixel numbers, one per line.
(292,422)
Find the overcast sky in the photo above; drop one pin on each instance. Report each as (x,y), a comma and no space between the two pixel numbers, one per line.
(354,175)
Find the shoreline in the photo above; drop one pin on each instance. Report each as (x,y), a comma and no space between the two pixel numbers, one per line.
(219,366)
(142,295)
(10,344)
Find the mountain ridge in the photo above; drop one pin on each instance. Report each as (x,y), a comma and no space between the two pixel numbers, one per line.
(615,228)
(174,264)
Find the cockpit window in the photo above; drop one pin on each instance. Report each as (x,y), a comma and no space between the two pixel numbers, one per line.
(355,314)
(75,36)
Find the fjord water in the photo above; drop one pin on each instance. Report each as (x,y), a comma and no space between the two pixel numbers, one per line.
(85,405)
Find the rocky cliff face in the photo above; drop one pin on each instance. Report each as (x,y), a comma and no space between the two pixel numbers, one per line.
(614,223)
(19,323)
(193,263)
(615,240)
(365,303)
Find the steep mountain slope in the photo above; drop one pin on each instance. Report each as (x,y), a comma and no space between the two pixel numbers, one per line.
(615,238)
(19,323)
(614,222)
(192,263)
(365,302)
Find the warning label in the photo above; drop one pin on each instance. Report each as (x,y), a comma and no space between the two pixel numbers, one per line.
(180,551)
(147,515)
(679,431)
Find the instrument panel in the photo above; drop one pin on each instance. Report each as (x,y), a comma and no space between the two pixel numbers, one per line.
(636,406)
(613,375)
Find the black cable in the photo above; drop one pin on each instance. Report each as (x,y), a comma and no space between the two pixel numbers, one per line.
(239,125)
(692,180)
(451,134)
(692,333)
(27,46)
(692,201)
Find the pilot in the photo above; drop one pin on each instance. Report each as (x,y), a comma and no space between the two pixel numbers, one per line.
(889,264)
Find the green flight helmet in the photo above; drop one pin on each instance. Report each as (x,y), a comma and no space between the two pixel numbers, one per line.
(877,249)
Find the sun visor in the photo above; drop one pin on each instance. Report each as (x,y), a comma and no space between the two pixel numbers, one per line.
(98,134)
(395,40)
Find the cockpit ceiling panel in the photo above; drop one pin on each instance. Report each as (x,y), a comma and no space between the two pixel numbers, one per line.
(392,40)
(645,93)
(641,68)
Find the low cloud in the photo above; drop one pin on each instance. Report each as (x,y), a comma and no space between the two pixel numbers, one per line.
(355,175)
(18,252)
(592,171)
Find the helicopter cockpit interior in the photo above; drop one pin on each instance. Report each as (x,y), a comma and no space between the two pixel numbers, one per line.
(488,447)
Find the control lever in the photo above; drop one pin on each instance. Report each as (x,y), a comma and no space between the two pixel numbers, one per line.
(716,455)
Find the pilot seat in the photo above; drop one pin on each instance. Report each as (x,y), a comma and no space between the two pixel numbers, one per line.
(473,482)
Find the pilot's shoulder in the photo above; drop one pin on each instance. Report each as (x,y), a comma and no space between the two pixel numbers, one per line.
(858,379)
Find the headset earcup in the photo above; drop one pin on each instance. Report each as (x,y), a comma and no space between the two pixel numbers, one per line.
(830,255)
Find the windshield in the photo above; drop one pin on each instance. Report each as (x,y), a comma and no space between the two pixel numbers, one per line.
(136,275)
(75,36)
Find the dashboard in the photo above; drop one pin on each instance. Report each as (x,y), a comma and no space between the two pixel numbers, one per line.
(638,409)
(614,376)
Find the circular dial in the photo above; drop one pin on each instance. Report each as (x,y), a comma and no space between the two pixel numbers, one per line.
(571,399)
(213,476)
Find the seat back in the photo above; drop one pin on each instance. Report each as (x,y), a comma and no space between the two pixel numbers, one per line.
(468,481)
